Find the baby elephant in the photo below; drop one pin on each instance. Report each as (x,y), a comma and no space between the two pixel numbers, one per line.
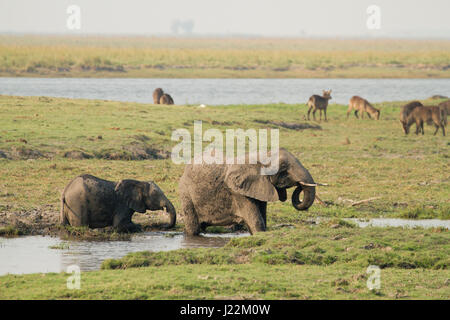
(361,106)
(97,203)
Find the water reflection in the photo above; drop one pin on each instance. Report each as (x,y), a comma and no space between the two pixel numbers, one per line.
(33,254)
(405,223)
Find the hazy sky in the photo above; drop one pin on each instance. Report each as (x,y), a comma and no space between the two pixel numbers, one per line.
(342,18)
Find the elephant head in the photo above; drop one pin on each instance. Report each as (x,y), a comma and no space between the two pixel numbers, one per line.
(248,181)
(141,196)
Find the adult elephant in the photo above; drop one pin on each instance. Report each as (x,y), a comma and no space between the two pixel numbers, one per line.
(157,93)
(226,194)
(97,203)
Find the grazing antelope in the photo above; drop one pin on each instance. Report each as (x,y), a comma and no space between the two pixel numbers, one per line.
(362,105)
(446,105)
(430,115)
(319,103)
(406,110)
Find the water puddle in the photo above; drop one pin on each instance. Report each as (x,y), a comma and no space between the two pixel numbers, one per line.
(405,223)
(33,254)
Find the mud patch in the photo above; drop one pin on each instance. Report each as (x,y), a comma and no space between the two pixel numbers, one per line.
(39,221)
(142,151)
(290,125)
(133,151)
(44,220)
(24,153)
(77,155)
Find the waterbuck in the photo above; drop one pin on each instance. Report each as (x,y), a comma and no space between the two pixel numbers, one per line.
(406,110)
(362,105)
(429,114)
(445,105)
(319,103)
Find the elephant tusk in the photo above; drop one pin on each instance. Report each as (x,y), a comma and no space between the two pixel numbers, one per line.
(313,184)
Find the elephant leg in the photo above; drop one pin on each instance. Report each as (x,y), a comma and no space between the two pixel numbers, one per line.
(203,226)
(250,212)
(191,223)
(123,223)
(263,211)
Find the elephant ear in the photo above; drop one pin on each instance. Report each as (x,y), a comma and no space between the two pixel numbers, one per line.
(247,180)
(132,193)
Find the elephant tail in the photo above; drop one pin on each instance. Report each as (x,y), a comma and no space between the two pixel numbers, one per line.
(62,216)
(63,220)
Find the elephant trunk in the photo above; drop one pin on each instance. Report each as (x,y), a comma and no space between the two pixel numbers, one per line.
(172,213)
(308,198)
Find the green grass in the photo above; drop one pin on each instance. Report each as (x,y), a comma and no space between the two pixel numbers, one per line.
(231,282)
(147,57)
(304,262)
(359,159)
(10,231)
(409,173)
(314,245)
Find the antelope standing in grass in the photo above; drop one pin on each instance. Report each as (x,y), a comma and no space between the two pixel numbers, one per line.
(430,115)
(320,103)
(362,105)
(406,110)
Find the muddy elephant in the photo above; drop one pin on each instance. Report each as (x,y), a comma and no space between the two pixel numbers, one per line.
(166,99)
(157,93)
(228,194)
(97,203)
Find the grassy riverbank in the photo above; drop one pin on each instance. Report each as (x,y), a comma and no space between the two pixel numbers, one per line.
(304,262)
(45,142)
(146,57)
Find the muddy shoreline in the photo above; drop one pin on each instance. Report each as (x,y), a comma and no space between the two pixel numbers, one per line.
(45,221)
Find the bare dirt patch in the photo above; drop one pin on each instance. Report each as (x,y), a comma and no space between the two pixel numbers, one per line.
(290,125)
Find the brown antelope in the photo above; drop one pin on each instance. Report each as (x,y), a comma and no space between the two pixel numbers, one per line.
(320,103)
(157,93)
(362,105)
(166,99)
(430,115)
(446,105)
(406,110)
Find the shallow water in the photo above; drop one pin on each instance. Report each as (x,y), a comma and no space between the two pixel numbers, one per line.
(32,254)
(389,222)
(226,91)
